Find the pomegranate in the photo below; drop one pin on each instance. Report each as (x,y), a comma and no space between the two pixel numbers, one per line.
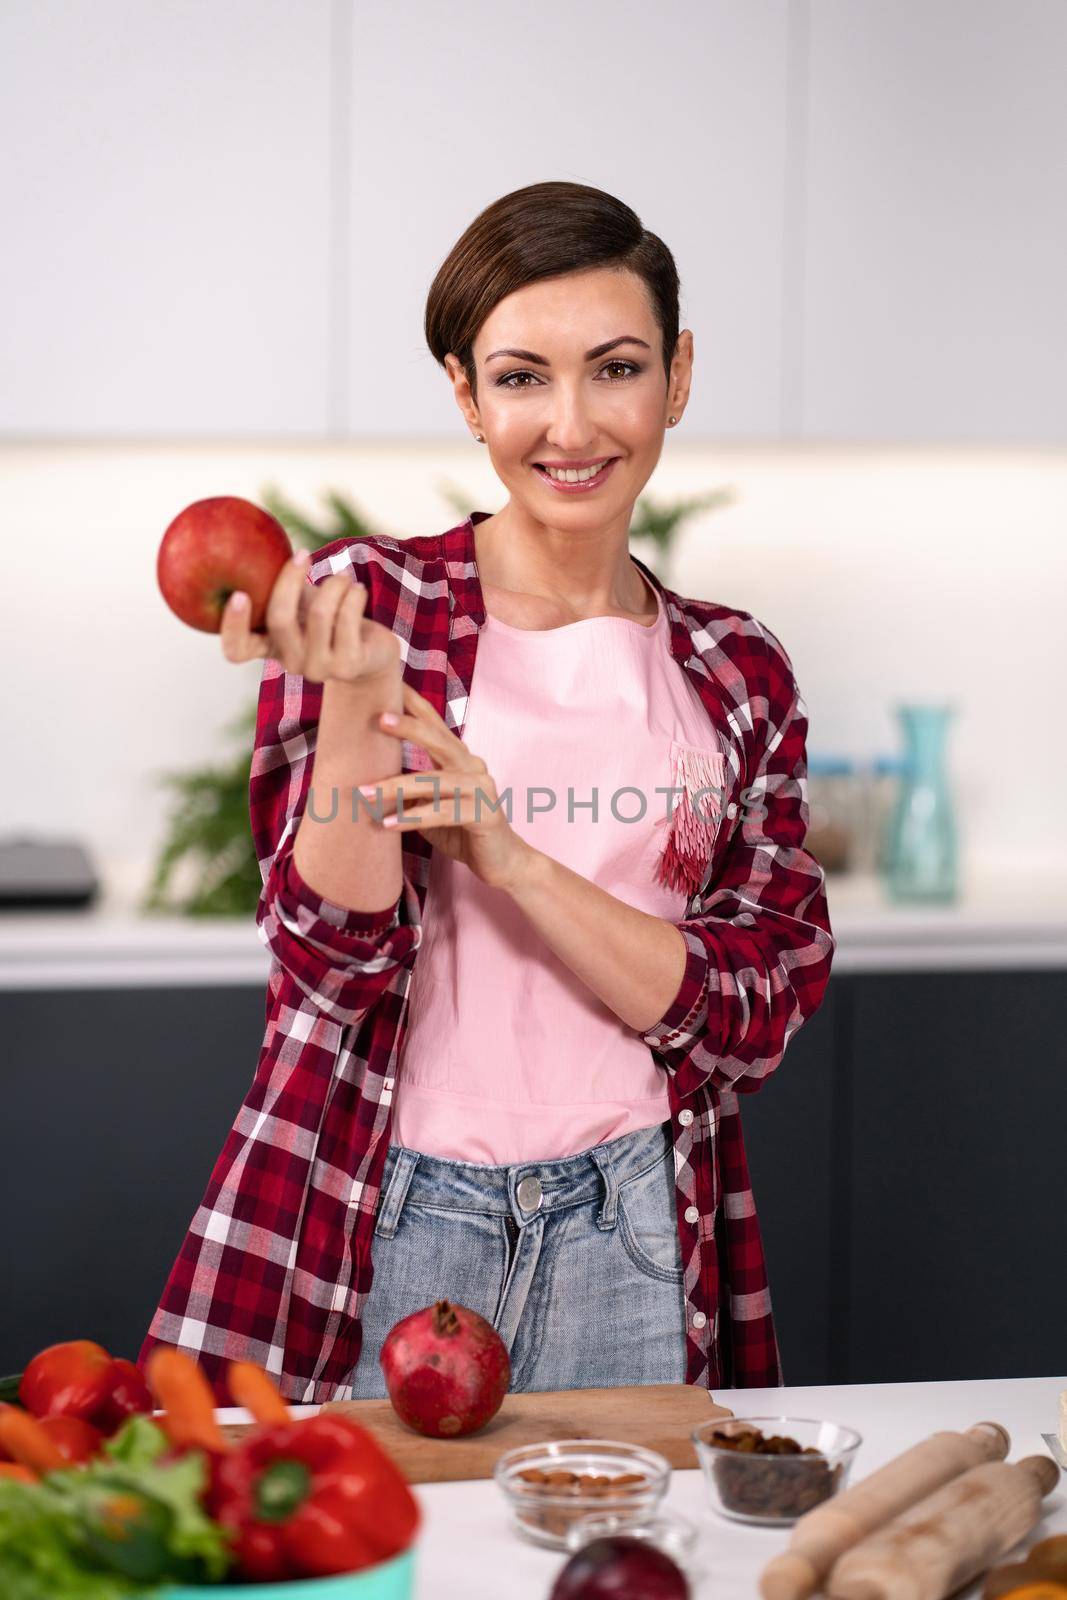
(620,1567)
(446,1370)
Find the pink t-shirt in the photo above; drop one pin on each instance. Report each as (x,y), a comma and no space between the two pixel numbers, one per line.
(508,1056)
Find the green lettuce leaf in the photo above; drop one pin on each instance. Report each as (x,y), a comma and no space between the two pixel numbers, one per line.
(138,1443)
(40,1550)
(198,1548)
(55,1538)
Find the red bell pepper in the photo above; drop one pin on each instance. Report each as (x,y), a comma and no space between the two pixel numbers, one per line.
(311,1497)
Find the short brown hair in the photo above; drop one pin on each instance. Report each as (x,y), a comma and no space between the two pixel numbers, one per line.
(543,231)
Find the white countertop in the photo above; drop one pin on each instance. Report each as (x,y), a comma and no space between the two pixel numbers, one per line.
(994,924)
(467,1542)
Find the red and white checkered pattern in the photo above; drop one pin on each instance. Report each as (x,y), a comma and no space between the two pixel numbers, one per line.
(276,1265)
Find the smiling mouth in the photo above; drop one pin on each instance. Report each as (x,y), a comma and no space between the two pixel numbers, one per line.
(577,482)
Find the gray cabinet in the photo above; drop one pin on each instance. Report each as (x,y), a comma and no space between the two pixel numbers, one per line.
(118,1102)
(958,1235)
(906,1159)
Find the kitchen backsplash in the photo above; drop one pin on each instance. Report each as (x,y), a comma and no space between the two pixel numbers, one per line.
(887,574)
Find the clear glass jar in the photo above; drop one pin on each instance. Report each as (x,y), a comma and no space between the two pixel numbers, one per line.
(883,776)
(834,812)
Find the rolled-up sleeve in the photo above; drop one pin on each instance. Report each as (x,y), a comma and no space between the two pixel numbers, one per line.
(343,960)
(759,953)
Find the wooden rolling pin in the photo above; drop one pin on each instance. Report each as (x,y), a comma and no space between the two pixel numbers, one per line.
(824,1534)
(952,1536)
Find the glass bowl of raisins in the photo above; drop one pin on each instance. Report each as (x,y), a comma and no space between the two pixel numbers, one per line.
(771,1470)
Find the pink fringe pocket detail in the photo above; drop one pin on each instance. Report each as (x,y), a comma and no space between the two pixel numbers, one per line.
(691,831)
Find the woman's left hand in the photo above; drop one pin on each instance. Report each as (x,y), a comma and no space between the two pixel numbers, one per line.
(484,840)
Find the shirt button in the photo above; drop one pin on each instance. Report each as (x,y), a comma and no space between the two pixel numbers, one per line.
(529,1193)
(692,1214)
(699,1319)
(685,1118)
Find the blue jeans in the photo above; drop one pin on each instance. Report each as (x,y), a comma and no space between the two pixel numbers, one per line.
(575,1262)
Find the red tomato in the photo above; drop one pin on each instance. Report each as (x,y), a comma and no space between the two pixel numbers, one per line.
(75,1439)
(127,1394)
(72,1379)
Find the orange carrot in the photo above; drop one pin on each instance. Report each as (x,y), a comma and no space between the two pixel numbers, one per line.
(186,1398)
(14,1469)
(23,1438)
(256,1390)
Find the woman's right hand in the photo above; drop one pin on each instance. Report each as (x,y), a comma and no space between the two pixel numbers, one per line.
(317,631)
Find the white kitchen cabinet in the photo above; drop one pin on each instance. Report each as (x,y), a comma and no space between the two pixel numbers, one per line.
(224,220)
(934,216)
(680,112)
(165,185)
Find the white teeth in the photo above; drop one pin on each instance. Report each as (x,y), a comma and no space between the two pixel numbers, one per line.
(571,476)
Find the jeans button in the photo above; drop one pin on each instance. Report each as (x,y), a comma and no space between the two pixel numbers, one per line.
(529,1193)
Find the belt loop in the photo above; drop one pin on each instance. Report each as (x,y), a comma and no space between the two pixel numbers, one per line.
(392,1201)
(608,1211)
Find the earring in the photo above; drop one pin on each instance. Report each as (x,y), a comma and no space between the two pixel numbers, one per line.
(480,438)
(672,420)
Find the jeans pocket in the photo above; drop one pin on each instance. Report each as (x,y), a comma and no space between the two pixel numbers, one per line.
(647,1223)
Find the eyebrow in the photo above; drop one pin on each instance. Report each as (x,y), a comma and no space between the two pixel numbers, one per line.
(590,355)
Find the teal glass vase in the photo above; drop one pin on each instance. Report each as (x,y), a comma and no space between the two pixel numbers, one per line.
(922,854)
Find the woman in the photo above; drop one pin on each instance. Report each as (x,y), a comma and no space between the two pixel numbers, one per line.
(505,1035)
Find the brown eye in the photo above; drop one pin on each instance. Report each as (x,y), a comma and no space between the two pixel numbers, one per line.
(632,369)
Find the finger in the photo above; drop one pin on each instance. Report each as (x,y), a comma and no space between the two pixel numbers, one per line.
(319,625)
(282,620)
(414,788)
(423,725)
(445,815)
(239,643)
(413,728)
(348,629)
(382,796)
(420,785)
(427,723)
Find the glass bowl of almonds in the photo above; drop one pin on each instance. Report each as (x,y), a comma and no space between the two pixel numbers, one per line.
(551,1486)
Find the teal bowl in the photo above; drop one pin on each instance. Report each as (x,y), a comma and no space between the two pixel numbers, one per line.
(389,1580)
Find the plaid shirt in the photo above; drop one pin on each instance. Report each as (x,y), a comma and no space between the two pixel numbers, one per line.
(276,1265)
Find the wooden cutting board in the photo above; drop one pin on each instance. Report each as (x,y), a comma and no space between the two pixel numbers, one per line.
(657,1415)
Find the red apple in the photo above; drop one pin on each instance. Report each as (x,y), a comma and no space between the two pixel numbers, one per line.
(215,547)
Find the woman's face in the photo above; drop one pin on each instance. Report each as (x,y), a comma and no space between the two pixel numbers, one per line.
(558,403)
